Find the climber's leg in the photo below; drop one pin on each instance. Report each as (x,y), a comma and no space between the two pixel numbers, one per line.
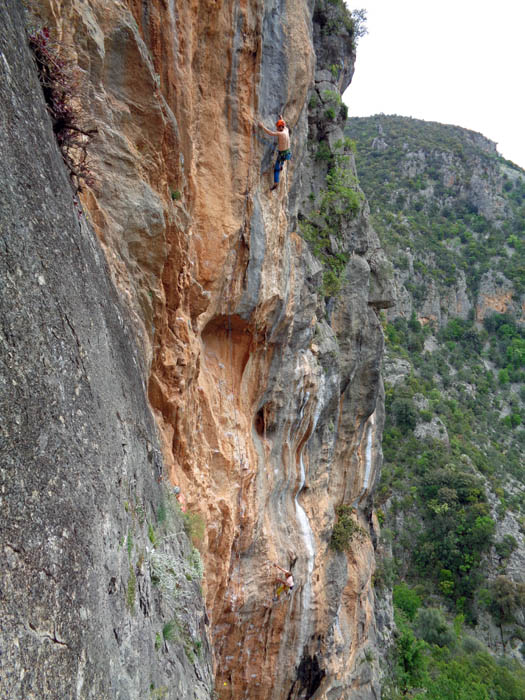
(277,171)
(278,592)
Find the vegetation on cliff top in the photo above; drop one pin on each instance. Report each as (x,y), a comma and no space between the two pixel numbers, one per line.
(445,192)
(334,18)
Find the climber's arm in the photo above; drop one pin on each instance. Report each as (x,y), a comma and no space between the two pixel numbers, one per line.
(270,133)
(285,571)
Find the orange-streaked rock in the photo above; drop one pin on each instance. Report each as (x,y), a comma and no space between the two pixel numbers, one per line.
(495,302)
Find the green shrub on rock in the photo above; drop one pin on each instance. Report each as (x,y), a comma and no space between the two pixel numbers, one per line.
(345,529)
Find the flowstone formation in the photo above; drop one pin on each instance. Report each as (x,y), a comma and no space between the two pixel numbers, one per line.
(257,318)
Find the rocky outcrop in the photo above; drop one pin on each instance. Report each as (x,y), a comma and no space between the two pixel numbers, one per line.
(264,385)
(497,294)
(456,208)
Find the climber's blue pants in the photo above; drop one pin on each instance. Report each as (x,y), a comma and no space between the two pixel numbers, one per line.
(282,156)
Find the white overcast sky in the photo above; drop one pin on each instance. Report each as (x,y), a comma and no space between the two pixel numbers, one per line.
(451,61)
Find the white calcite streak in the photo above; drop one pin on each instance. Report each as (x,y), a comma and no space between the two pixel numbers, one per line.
(308,537)
(368,458)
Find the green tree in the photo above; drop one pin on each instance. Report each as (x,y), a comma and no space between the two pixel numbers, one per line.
(404,414)
(410,660)
(431,625)
(407,600)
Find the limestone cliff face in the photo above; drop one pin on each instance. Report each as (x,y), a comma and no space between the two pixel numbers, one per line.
(266,393)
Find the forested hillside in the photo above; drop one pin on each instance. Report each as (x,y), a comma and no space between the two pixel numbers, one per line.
(450,213)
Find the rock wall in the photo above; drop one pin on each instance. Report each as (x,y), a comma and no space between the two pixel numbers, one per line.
(81,462)
(267,394)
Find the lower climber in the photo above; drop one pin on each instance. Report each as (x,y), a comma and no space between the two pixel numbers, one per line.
(283,146)
(286,584)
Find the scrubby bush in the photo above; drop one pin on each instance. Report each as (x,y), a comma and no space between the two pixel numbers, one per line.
(471,645)
(345,529)
(385,573)
(194,526)
(506,599)
(404,414)
(431,625)
(506,546)
(407,600)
